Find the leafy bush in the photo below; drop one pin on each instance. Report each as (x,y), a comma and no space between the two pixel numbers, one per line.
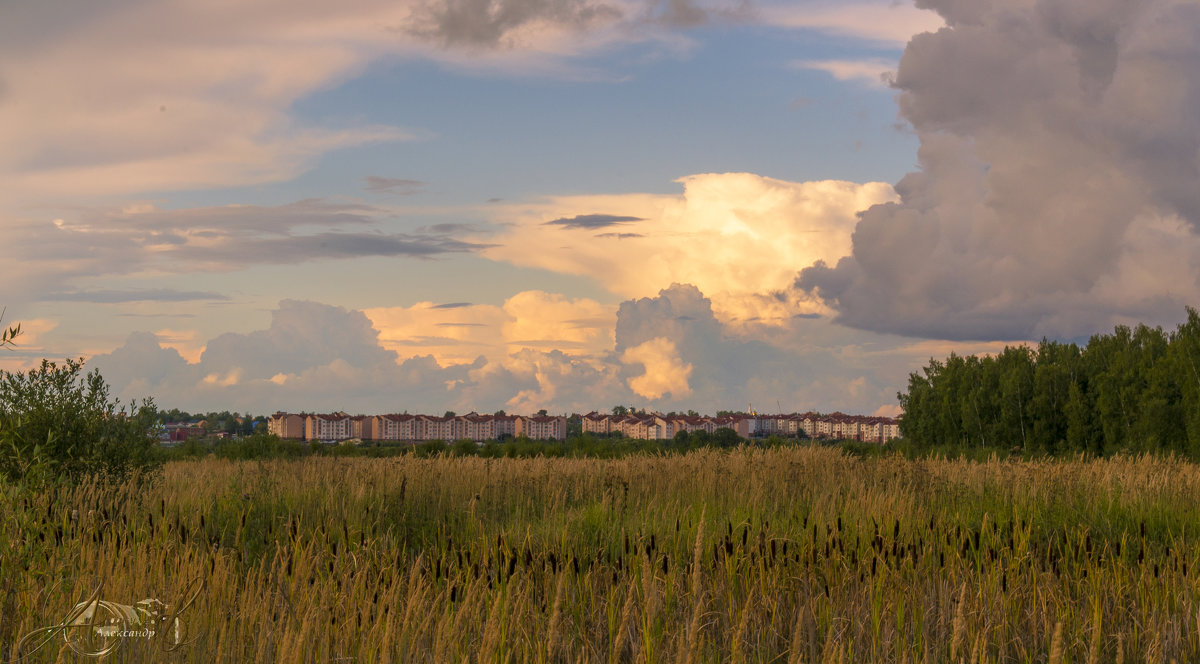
(56,422)
(465,447)
(431,448)
(259,446)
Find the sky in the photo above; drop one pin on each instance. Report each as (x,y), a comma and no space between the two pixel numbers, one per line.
(472,205)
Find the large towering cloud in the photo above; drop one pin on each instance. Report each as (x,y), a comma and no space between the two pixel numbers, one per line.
(677,354)
(735,236)
(1059,188)
(312,356)
(667,352)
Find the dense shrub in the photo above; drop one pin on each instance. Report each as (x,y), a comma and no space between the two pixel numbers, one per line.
(56,422)
(259,446)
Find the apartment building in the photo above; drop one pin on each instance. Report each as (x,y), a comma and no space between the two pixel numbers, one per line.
(652,426)
(415,428)
(835,425)
(542,427)
(334,426)
(362,427)
(286,425)
(394,427)
(595,422)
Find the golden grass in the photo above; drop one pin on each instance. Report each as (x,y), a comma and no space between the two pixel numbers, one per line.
(786,555)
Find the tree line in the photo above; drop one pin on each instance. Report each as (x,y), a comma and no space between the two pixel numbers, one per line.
(263,445)
(1133,390)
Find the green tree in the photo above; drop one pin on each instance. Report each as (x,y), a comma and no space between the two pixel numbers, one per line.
(726,437)
(1016,390)
(681,440)
(1081,434)
(431,448)
(1134,389)
(1185,360)
(464,447)
(1056,372)
(57,422)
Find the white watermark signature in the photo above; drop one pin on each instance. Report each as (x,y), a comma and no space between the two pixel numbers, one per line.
(96,627)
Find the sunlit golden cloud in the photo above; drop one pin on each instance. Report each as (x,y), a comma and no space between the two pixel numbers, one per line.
(739,237)
(460,332)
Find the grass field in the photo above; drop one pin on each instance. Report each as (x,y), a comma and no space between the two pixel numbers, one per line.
(787,555)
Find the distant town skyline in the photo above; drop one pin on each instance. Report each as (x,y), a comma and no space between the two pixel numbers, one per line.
(505,204)
(419,427)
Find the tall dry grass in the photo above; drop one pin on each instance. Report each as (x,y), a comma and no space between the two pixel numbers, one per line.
(787,555)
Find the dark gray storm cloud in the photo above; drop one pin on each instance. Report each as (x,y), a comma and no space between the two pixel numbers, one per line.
(1059,181)
(451,305)
(592,221)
